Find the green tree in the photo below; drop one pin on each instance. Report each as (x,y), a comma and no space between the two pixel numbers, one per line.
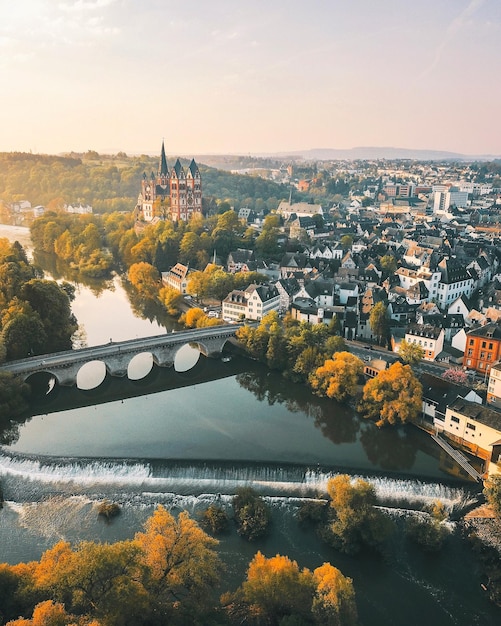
(410,353)
(52,304)
(394,396)
(428,532)
(378,320)
(356,522)
(252,514)
(388,264)
(346,242)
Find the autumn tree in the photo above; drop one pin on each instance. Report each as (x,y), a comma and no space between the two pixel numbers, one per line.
(394,396)
(378,320)
(338,377)
(103,580)
(492,492)
(356,521)
(170,298)
(181,560)
(145,278)
(410,353)
(278,591)
(334,600)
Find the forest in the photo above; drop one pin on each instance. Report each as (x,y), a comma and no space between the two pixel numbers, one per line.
(112,183)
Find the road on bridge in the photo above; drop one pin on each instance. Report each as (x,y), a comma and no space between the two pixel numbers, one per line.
(58,359)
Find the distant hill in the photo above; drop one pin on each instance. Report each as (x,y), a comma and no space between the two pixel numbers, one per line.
(364,153)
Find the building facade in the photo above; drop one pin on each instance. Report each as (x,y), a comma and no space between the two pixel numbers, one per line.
(174,194)
(483,348)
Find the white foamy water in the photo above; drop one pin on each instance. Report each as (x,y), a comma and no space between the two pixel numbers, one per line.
(30,479)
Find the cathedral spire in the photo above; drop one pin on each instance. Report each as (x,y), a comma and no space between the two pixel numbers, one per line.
(162,167)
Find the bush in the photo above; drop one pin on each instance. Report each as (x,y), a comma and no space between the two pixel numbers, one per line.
(313,512)
(428,532)
(108,510)
(252,514)
(214,519)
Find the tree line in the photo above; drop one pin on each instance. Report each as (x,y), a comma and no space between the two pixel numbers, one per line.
(315,355)
(112,183)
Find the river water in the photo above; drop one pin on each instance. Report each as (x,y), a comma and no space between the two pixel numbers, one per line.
(191,435)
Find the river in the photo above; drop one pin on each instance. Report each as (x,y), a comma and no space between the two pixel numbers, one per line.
(191,435)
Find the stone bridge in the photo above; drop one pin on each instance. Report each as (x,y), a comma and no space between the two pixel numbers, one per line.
(116,356)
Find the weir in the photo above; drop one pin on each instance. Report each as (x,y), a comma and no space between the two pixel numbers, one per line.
(27,478)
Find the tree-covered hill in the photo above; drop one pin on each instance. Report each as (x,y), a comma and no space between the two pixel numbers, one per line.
(112,183)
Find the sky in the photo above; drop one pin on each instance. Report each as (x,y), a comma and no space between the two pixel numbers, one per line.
(249,76)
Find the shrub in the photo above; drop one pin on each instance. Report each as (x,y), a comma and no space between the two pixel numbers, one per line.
(215,519)
(108,510)
(252,514)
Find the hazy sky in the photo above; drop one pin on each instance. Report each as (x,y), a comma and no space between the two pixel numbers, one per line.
(249,76)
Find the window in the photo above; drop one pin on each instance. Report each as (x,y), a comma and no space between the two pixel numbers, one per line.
(470,352)
(454,419)
(484,343)
(472,341)
(482,355)
(471,426)
(490,346)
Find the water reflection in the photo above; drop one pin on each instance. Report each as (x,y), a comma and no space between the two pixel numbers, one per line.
(91,375)
(389,448)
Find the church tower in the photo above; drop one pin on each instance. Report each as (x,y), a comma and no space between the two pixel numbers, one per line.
(176,194)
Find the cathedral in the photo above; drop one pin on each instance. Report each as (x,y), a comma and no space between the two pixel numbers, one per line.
(174,194)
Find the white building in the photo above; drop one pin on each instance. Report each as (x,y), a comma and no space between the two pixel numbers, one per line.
(476,428)
(455,281)
(252,303)
(494,386)
(429,338)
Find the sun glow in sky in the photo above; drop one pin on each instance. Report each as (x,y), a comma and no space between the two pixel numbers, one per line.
(239,76)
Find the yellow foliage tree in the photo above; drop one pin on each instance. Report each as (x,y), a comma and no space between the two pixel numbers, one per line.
(334,602)
(337,378)
(182,563)
(394,396)
(145,278)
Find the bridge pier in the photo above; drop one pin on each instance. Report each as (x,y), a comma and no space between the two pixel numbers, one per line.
(64,366)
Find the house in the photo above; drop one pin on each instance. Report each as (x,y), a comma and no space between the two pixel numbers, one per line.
(301,209)
(460,305)
(475,428)
(451,323)
(241,260)
(287,289)
(374,367)
(346,291)
(438,394)
(455,281)
(430,338)
(483,347)
(78,209)
(494,386)
(177,278)
(252,303)
(292,263)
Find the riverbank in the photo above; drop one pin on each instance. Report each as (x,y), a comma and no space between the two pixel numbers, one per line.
(16,233)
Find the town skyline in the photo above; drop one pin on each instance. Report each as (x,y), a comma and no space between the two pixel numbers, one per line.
(113,75)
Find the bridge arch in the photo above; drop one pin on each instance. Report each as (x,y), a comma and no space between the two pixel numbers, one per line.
(64,366)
